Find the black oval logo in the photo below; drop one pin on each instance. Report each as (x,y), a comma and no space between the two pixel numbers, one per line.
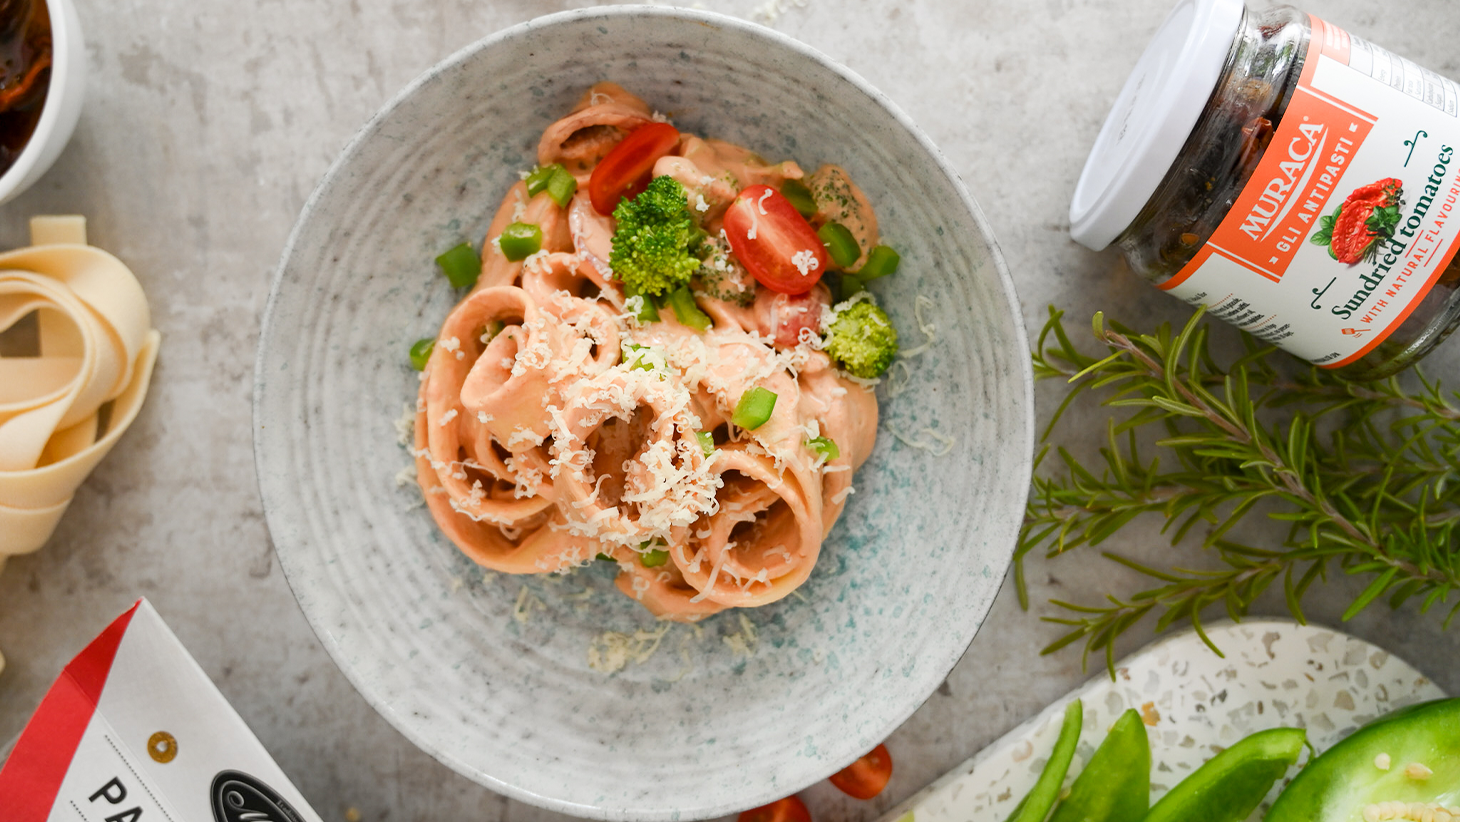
(238,797)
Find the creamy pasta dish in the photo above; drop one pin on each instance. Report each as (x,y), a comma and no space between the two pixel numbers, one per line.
(663,358)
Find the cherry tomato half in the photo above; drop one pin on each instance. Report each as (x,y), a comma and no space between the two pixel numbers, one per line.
(774,242)
(783,316)
(625,171)
(790,809)
(866,777)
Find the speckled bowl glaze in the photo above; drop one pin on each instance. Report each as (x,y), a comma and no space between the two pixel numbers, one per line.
(491,673)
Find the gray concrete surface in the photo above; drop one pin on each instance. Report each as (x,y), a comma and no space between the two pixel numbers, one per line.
(209,122)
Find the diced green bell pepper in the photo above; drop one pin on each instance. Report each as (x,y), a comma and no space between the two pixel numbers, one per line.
(520,241)
(840,244)
(421,353)
(800,197)
(881,261)
(754,408)
(461,265)
(687,311)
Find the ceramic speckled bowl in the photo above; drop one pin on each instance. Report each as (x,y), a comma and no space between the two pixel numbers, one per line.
(491,674)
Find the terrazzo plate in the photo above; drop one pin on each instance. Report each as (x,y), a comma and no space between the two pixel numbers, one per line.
(491,674)
(1276,673)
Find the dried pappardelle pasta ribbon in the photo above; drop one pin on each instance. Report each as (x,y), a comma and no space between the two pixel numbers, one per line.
(97,346)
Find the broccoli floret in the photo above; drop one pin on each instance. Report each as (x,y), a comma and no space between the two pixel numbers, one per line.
(653,240)
(862,339)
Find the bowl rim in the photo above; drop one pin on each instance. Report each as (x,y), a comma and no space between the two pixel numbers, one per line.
(332,176)
(65,26)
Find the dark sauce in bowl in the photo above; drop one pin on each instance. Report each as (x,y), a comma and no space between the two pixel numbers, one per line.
(25,73)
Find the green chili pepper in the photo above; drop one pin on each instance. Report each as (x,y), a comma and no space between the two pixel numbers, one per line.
(1035,807)
(824,447)
(707,441)
(602,557)
(421,353)
(1420,749)
(654,558)
(881,261)
(520,241)
(1116,784)
(1234,782)
(686,311)
(800,198)
(754,408)
(461,265)
(840,244)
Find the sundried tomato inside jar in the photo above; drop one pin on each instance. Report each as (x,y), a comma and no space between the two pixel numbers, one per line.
(1300,182)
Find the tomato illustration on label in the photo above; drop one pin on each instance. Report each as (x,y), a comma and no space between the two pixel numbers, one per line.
(1369,216)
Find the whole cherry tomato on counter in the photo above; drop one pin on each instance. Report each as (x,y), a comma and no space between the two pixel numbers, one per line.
(774,242)
(866,777)
(625,171)
(790,809)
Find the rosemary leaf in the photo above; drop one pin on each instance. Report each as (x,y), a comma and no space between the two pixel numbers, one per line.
(1367,476)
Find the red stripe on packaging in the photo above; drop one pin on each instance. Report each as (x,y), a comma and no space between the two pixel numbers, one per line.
(36,768)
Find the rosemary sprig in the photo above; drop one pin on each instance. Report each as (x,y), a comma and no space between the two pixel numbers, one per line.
(1364,474)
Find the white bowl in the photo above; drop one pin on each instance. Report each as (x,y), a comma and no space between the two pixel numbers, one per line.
(698,730)
(62,107)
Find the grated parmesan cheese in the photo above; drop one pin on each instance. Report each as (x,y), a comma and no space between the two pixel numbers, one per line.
(926,326)
(612,651)
(771,10)
(533,262)
(941,446)
(405,426)
(527,602)
(742,642)
(897,382)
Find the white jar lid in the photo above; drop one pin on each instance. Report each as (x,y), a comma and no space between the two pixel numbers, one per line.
(1152,117)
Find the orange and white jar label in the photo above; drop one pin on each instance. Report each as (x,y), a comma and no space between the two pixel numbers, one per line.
(1353,211)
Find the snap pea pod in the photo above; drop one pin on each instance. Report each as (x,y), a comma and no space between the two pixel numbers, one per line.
(1116,784)
(1035,807)
(1405,765)
(1234,782)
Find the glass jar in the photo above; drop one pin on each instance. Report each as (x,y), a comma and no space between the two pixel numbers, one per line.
(1299,182)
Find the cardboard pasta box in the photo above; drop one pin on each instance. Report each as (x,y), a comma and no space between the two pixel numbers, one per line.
(134,731)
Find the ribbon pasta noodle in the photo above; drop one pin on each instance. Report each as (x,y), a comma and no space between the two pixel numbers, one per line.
(553,427)
(96,347)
